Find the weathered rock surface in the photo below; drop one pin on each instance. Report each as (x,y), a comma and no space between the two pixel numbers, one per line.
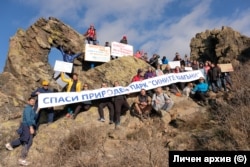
(225,45)
(27,64)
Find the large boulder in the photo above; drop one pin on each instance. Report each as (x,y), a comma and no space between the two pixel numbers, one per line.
(222,46)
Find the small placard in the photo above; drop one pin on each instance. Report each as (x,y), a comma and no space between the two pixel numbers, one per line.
(62,66)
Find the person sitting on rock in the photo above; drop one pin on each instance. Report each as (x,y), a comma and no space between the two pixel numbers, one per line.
(139,76)
(73,85)
(68,55)
(158,70)
(82,106)
(121,106)
(199,92)
(149,73)
(138,54)
(187,90)
(142,105)
(106,102)
(26,132)
(49,111)
(91,35)
(124,40)
(161,102)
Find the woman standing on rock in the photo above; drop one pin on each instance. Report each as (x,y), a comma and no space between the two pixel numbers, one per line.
(26,132)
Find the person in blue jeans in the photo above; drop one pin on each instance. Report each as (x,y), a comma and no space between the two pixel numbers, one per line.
(26,132)
(50,110)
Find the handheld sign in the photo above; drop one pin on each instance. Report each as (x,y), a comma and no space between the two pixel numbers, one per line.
(97,53)
(174,64)
(120,49)
(62,66)
(226,67)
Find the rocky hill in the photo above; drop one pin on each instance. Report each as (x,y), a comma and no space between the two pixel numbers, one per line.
(88,142)
(224,45)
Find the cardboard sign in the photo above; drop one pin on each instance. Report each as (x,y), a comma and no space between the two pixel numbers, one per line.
(62,66)
(226,67)
(173,64)
(97,53)
(59,80)
(120,49)
(188,69)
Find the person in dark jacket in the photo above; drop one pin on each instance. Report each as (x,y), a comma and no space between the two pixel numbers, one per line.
(214,75)
(26,132)
(121,106)
(106,102)
(124,40)
(50,110)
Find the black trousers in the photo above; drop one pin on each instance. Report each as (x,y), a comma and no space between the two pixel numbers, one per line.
(110,106)
(121,107)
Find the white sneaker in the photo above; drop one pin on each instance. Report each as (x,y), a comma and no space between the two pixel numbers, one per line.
(23,162)
(101,119)
(8,147)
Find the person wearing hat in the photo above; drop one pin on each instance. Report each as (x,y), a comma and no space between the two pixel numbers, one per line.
(50,110)
(199,92)
(124,40)
(139,76)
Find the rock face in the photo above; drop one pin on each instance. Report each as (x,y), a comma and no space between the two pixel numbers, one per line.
(225,45)
(27,64)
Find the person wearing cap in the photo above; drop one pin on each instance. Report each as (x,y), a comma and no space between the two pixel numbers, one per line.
(124,40)
(50,110)
(199,92)
(139,76)
(91,35)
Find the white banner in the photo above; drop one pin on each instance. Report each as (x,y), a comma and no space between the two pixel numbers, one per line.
(120,49)
(62,66)
(173,64)
(62,98)
(97,53)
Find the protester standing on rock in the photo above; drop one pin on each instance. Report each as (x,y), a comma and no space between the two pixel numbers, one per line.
(73,85)
(106,102)
(121,106)
(49,111)
(26,132)
(91,35)
(161,102)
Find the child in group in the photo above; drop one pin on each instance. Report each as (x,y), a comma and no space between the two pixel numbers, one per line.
(187,89)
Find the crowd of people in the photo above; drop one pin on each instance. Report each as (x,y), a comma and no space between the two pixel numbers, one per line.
(146,101)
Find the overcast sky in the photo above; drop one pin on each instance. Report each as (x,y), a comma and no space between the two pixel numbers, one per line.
(155,26)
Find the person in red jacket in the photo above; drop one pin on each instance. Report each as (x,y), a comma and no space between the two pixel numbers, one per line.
(91,34)
(139,76)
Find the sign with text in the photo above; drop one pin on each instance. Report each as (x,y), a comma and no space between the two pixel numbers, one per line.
(62,98)
(59,80)
(97,53)
(120,49)
(226,67)
(174,64)
(188,69)
(62,66)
